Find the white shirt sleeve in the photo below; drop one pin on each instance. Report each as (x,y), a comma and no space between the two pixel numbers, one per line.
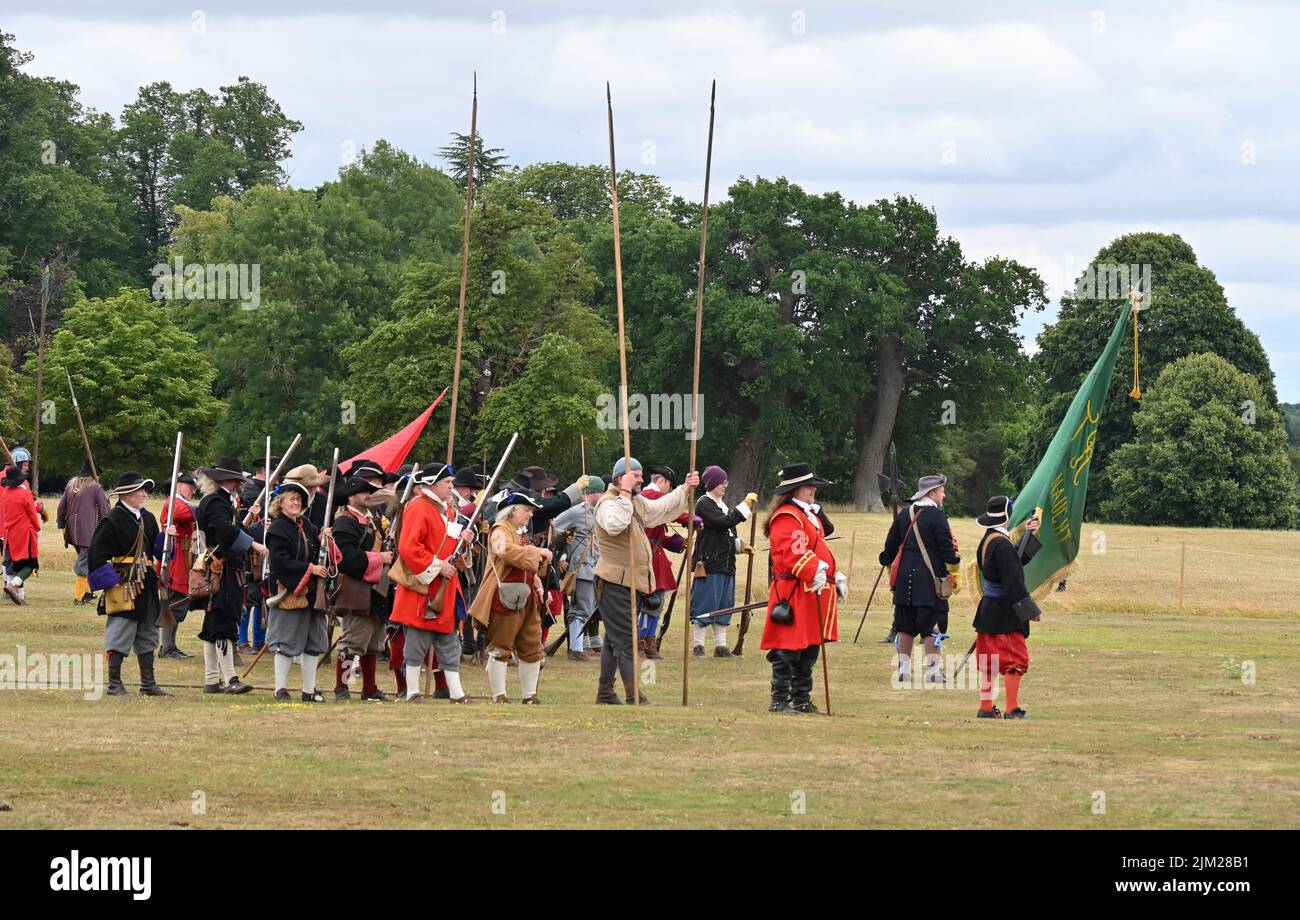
(614,515)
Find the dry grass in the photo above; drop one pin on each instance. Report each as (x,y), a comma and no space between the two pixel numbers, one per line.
(1129,696)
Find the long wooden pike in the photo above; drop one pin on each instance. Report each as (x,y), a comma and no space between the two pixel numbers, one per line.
(622,386)
(464,269)
(695,397)
(85,441)
(749,586)
(166,618)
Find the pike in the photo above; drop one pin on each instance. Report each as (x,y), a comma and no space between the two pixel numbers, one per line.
(749,585)
(464,269)
(266,514)
(668,614)
(165,617)
(888,487)
(86,441)
(622,374)
(695,393)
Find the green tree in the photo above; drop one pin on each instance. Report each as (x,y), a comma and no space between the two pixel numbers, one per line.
(124,354)
(1210,450)
(1187,314)
(489,162)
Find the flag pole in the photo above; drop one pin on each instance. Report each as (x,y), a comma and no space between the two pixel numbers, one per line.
(622,372)
(695,402)
(464,270)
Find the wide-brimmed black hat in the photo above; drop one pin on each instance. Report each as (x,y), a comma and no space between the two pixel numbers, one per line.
(129,482)
(86,469)
(998,513)
(366,466)
(469,478)
(354,485)
(225,468)
(536,479)
(13,477)
(259,463)
(795,475)
(667,472)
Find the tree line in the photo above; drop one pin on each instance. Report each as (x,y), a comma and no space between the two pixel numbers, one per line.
(832,328)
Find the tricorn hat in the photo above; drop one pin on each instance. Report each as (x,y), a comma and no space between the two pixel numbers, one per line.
(469,478)
(511,499)
(129,482)
(998,513)
(183,476)
(434,472)
(794,475)
(927,484)
(225,468)
(354,485)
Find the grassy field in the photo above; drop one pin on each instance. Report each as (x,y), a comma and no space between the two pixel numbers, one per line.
(1131,698)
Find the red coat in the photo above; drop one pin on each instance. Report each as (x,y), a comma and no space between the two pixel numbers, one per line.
(797,545)
(424,532)
(661,540)
(22,525)
(178,572)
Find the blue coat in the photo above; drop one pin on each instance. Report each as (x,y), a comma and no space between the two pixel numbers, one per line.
(915,587)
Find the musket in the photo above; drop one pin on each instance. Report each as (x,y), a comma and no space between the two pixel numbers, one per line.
(86,441)
(668,614)
(749,585)
(322,588)
(266,516)
(163,582)
(252,510)
(888,487)
(436,597)
(395,528)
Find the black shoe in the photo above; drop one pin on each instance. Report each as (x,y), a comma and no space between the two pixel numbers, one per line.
(342,694)
(780,706)
(178,652)
(375,696)
(172,653)
(282,696)
(213,688)
(808,707)
(115,686)
(1016,713)
(237,686)
(314,697)
(994,713)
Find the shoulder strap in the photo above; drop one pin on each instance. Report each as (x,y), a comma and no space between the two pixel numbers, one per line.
(984,550)
(925,553)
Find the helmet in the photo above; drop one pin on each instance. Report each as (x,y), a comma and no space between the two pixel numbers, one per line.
(22,455)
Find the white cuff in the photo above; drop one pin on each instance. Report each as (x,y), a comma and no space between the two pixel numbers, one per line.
(745,510)
(429,574)
(453,529)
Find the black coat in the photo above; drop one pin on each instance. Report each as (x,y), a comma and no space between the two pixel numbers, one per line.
(223,534)
(249,492)
(116,536)
(1004,565)
(915,586)
(715,544)
(294,546)
(354,541)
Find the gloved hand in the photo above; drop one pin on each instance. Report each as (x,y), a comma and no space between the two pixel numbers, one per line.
(841,585)
(819,580)
(582,482)
(752,498)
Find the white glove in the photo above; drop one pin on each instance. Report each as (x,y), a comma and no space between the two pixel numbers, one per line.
(819,580)
(841,585)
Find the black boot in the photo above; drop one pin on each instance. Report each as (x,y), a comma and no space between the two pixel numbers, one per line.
(115,686)
(149,686)
(780,682)
(802,684)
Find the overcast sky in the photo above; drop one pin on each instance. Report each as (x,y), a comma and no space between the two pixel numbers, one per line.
(1038,131)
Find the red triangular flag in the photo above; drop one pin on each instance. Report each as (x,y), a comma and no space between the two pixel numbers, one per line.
(391,452)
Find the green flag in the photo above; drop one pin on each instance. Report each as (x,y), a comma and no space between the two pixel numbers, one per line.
(1060,483)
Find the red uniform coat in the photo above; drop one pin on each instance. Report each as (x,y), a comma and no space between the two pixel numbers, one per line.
(178,570)
(660,539)
(22,525)
(797,545)
(424,533)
